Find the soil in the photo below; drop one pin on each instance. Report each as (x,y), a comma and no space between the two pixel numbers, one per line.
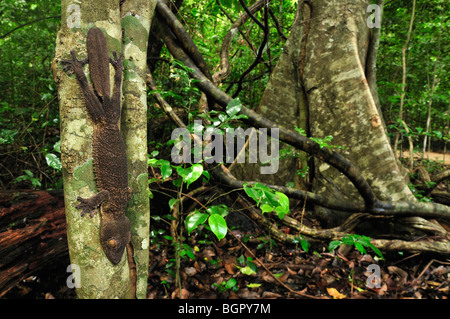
(431,156)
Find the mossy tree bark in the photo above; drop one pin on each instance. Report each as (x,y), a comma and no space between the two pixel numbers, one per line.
(136,19)
(98,277)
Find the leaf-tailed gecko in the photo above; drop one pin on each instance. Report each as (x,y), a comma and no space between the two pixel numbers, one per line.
(108,148)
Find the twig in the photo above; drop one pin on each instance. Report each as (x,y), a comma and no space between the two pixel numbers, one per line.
(258,58)
(428,266)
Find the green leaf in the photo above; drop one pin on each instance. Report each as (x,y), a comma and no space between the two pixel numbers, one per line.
(253,285)
(252,193)
(218,226)
(53,161)
(190,174)
(246,270)
(348,240)
(221,209)
(251,264)
(305,244)
(166,169)
(194,220)
(334,244)
(283,200)
(234,107)
(266,208)
(57,147)
(377,251)
(172,202)
(231,283)
(188,251)
(360,247)
(206,174)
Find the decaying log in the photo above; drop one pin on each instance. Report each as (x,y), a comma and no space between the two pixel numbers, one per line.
(32,234)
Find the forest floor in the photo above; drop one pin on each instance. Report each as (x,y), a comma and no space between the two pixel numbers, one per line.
(432,156)
(248,264)
(227,269)
(263,269)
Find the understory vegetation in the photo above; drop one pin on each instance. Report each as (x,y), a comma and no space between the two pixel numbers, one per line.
(207,239)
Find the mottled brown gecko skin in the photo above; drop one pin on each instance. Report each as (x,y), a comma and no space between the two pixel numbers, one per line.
(110,159)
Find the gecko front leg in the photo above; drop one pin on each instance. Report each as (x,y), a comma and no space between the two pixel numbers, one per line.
(89,205)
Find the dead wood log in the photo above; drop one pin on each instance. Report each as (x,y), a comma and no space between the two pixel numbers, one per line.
(32,234)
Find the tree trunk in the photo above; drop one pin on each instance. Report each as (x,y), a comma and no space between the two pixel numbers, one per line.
(99,277)
(136,20)
(342,104)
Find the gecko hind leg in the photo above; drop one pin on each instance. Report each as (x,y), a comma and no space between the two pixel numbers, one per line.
(89,205)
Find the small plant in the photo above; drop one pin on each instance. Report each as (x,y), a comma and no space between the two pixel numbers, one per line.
(420,194)
(213,216)
(246,265)
(360,242)
(267,199)
(29,176)
(230,284)
(304,243)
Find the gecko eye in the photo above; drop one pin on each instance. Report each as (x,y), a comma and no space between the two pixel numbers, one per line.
(112,243)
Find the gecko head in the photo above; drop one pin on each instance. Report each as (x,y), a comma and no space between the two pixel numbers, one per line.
(114,236)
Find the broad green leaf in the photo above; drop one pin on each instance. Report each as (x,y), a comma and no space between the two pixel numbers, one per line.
(188,251)
(280,212)
(172,202)
(221,209)
(246,270)
(348,240)
(234,107)
(252,193)
(218,225)
(57,147)
(190,174)
(283,200)
(377,251)
(192,221)
(360,247)
(334,244)
(272,198)
(222,117)
(266,208)
(230,283)
(166,169)
(53,161)
(206,174)
(251,264)
(305,244)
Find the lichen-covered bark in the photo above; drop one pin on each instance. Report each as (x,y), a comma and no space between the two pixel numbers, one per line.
(99,277)
(136,19)
(341,103)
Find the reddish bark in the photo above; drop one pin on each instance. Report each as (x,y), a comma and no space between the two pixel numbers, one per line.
(32,234)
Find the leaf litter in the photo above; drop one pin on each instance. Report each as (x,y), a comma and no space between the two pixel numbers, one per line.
(252,266)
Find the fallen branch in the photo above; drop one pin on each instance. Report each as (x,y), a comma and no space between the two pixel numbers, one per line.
(33,234)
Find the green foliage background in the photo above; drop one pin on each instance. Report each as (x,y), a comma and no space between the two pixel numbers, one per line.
(29,116)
